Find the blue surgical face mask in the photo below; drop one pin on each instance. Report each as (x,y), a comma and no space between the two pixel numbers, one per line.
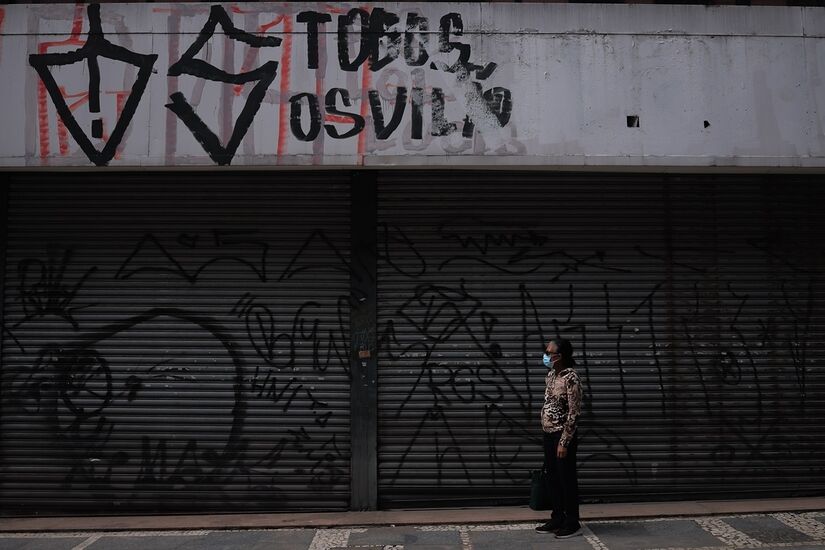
(547,361)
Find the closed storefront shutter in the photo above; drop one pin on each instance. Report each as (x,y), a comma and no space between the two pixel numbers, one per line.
(176,342)
(694,304)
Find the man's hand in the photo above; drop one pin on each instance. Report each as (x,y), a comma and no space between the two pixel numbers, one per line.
(561,452)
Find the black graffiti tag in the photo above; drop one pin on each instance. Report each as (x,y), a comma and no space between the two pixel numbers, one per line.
(188,64)
(96,46)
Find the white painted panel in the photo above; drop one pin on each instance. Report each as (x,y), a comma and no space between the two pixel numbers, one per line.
(641,19)
(726,86)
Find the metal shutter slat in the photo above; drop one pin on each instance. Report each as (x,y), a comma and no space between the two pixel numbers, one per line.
(180,343)
(694,303)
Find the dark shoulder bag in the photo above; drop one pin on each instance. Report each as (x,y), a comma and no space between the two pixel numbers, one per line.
(540,489)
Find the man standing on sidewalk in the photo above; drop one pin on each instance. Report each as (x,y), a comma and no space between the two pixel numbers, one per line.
(562,406)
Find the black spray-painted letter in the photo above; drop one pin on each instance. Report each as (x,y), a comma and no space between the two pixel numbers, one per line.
(188,64)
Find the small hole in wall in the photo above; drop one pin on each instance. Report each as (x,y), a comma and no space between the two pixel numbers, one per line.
(707,124)
(633,121)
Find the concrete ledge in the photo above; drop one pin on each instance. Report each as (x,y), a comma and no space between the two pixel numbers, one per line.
(511,514)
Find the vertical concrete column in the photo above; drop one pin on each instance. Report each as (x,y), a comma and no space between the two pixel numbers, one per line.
(363,361)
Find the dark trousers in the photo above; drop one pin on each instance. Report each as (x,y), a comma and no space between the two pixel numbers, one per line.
(564,482)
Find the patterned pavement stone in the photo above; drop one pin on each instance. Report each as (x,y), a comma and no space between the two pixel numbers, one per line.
(727,534)
(804,524)
(328,539)
(639,535)
(524,539)
(409,537)
(767,529)
(259,540)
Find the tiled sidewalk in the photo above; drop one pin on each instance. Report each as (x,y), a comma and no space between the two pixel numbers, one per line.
(801,531)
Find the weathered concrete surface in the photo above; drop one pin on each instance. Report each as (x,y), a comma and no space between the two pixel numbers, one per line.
(724,86)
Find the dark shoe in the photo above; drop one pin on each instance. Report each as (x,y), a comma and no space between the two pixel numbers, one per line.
(551,526)
(568,532)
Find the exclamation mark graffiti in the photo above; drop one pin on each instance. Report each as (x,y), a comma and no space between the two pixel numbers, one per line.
(94,77)
(94,96)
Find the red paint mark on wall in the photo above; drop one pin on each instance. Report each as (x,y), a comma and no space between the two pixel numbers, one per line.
(62,137)
(171,145)
(227,97)
(42,102)
(318,145)
(252,53)
(120,101)
(62,132)
(2,18)
(338,118)
(43,119)
(81,99)
(366,79)
(286,67)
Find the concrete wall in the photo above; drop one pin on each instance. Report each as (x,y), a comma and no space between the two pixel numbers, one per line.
(549,85)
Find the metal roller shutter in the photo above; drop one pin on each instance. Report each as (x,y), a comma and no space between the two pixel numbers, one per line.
(696,305)
(176,342)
